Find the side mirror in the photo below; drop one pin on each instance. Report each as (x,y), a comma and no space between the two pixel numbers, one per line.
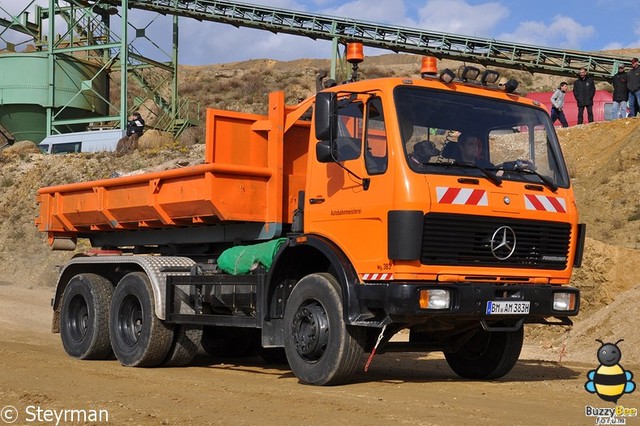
(326,116)
(326,125)
(324,150)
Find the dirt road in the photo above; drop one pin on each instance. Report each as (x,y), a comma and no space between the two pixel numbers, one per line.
(416,389)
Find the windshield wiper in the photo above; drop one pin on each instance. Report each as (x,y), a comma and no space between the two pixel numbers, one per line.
(545,179)
(529,168)
(493,178)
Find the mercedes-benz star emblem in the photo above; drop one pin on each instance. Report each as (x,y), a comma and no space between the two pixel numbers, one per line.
(503,243)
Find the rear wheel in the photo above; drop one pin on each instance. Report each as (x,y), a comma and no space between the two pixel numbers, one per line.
(487,355)
(138,337)
(186,342)
(84,317)
(321,349)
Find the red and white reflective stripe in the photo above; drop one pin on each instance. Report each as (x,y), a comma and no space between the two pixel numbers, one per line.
(463,196)
(545,204)
(377,277)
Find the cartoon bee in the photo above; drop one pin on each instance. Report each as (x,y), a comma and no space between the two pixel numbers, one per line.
(610,381)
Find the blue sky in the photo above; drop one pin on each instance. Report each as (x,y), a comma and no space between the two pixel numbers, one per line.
(586,25)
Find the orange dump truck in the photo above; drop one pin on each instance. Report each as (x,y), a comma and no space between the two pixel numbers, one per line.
(315,233)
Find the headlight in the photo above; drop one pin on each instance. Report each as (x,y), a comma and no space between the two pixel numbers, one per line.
(564,301)
(435,299)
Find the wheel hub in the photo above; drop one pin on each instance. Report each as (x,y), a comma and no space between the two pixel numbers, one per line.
(310,331)
(78,318)
(130,320)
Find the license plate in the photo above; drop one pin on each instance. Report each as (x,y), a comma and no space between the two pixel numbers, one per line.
(507,308)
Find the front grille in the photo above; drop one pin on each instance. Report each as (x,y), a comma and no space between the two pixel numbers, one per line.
(451,239)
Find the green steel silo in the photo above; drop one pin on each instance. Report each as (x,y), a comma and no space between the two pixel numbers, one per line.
(79,91)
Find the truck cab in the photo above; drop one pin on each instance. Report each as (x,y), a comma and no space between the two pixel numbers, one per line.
(395,178)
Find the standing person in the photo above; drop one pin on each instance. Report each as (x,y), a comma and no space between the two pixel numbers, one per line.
(633,84)
(620,93)
(557,105)
(584,89)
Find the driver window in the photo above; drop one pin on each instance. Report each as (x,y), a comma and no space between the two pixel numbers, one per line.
(350,129)
(376,159)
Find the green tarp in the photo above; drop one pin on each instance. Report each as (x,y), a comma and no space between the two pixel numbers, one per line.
(241,260)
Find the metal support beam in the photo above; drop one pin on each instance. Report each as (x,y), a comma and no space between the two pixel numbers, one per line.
(534,59)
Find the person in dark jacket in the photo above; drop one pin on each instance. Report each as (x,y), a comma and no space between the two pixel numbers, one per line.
(135,129)
(135,124)
(584,89)
(620,93)
(633,84)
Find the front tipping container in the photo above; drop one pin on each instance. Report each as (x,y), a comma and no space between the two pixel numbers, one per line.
(252,172)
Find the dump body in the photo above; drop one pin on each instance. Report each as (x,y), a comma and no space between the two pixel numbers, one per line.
(251,173)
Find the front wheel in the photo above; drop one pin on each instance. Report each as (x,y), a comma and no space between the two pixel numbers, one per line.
(321,349)
(487,354)
(138,337)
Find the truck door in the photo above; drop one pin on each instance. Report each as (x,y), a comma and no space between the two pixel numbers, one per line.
(347,200)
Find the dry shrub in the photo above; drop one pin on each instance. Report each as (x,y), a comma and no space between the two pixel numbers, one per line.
(21,148)
(154,139)
(377,72)
(192,136)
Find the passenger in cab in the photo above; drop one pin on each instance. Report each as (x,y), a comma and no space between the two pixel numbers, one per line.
(422,153)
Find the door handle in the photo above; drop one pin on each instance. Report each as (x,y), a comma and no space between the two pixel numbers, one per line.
(318,200)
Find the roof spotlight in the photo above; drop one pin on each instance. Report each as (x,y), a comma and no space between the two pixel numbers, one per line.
(489,77)
(447,76)
(466,73)
(510,86)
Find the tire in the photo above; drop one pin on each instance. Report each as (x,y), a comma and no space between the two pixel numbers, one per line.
(138,337)
(487,355)
(84,317)
(228,342)
(321,349)
(186,342)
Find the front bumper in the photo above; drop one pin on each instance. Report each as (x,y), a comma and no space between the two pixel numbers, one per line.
(468,301)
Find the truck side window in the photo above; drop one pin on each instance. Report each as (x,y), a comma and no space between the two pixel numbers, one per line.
(376,158)
(350,129)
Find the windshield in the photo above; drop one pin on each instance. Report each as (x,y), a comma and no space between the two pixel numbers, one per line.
(460,134)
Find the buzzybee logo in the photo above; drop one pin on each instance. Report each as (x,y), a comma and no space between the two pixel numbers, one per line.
(610,381)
